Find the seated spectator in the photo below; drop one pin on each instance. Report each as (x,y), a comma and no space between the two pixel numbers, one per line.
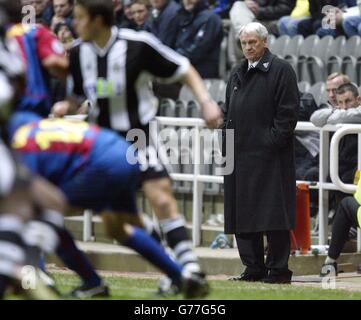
(310,26)
(265,11)
(334,81)
(352,24)
(66,34)
(161,21)
(140,12)
(287,25)
(123,14)
(348,110)
(63,13)
(199,37)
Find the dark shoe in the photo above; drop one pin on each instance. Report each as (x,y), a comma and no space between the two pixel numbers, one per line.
(194,285)
(329,269)
(84,291)
(251,277)
(278,278)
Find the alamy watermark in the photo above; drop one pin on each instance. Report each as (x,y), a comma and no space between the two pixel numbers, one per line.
(329,280)
(176,147)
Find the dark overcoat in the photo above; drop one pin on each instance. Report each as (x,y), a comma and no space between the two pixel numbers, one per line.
(261,106)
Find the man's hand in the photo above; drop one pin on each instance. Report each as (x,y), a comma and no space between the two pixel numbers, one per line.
(66,107)
(211,114)
(60,109)
(253,6)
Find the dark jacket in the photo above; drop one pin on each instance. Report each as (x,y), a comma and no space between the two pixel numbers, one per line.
(274,9)
(199,37)
(163,26)
(261,106)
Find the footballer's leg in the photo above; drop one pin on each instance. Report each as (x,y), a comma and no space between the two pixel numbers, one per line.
(159,193)
(47,234)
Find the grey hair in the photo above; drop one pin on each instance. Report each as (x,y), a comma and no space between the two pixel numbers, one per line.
(255,27)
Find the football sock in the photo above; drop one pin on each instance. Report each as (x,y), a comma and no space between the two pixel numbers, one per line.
(146,246)
(177,238)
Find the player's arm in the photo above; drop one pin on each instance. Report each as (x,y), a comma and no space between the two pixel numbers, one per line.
(57,66)
(52,54)
(169,66)
(211,113)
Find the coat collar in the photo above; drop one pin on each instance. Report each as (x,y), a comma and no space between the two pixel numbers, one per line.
(263,65)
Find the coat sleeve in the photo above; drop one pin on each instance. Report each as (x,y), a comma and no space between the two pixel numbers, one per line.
(319,117)
(276,11)
(345,116)
(287,101)
(207,35)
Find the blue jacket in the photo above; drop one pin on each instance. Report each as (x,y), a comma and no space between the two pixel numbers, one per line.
(163,26)
(199,37)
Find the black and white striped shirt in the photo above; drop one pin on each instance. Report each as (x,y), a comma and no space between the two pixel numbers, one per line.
(117,78)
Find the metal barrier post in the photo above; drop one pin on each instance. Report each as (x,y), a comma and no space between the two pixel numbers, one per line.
(197,191)
(322,193)
(87,225)
(359,168)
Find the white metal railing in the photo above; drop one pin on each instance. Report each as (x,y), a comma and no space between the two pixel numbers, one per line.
(322,185)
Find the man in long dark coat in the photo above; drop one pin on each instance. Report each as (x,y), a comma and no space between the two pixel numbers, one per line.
(262,101)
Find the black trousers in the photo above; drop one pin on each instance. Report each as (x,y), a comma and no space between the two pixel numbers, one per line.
(345,218)
(251,251)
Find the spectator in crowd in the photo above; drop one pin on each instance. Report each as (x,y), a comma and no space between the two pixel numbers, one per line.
(161,21)
(66,34)
(334,81)
(287,25)
(140,12)
(346,217)
(199,36)
(63,10)
(264,201)
(123,14)
(265,11)
(352,24)
(346,98)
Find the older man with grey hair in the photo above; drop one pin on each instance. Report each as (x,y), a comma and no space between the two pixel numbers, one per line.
(262,101)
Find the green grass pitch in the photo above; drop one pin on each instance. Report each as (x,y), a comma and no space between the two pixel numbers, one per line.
(144,289)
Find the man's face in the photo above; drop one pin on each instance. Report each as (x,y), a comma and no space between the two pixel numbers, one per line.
(253,46)
(139,13)
(331,87)
(189,4)
(85,26)
(62,8)
(158,4)
(347,100)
